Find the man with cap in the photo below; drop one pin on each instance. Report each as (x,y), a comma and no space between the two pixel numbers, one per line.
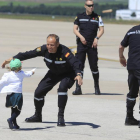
(63,68)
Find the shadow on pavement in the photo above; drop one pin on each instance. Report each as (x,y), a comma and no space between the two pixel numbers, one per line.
(83,123)
(38,128)
(103,94)
(78,123)
(111,94)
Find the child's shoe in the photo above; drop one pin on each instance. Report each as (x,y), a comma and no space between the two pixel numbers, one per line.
(10,123)
(16,127)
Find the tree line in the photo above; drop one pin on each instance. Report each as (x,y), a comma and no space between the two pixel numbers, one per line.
(59,10)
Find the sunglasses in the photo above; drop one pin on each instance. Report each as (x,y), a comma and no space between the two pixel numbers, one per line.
(90,5)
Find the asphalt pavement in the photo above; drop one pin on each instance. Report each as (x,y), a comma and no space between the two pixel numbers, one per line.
(87,116)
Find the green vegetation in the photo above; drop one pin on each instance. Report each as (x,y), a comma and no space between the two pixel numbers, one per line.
(63,4)
(58,10)
(113,3)
(41,9)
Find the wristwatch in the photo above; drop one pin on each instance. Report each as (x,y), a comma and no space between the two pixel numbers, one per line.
(79,74)
(97,37)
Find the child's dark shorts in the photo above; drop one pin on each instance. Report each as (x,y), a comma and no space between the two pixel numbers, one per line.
(14,100)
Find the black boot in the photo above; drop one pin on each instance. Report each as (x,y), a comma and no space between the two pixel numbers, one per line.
(95,75)
(62,101)
(130,120)
(37,117)
(61,121)
(97,89)
(78,90)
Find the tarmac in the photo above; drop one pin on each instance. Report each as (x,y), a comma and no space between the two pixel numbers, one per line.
(87,116)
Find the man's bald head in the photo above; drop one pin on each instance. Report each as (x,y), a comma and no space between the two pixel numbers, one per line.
(52,43)
(87,1)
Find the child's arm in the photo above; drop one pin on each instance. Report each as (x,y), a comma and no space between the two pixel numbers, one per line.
(33,70)
(29,73)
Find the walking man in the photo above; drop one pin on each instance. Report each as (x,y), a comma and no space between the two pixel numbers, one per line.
(131,39)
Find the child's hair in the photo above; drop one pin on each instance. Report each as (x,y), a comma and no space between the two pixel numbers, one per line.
(15,65)
(9,69)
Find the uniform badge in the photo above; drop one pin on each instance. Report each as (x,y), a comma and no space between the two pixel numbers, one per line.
(67,54)
(60,59)
(75,18)
(38,49)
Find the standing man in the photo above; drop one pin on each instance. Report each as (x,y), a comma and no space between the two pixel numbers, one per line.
(85,28)
(131,39)
(63,68)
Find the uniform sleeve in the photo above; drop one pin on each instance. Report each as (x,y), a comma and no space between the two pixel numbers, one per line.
(32,53)
(100,21)
(76,20)
(125,41)
(71,59)
(3,80)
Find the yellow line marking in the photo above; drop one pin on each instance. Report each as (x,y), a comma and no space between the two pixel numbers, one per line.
(107,59)
(72,47)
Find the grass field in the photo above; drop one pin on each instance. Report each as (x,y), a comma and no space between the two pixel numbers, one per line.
(59,18)
(38,3)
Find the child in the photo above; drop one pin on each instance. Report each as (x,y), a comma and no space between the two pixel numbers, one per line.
(11,83)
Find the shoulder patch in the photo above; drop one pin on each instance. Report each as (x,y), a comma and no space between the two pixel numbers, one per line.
(67,54)
(38,49)
(75,18)
(95,18)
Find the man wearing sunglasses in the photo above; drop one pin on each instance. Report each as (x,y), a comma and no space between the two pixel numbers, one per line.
(85,28)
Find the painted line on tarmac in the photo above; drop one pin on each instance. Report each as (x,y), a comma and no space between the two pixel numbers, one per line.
(108,59)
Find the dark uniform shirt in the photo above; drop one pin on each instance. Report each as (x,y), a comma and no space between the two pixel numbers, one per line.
(132,38)
(63,61)
(88,25)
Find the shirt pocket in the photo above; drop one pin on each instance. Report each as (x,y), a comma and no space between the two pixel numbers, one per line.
(93,26)
(83,25)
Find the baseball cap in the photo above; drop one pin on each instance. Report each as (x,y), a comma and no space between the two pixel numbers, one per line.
(15,64)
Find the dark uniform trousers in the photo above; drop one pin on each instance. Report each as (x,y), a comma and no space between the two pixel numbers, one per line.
(47,83)
(92,54)
(133,83)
